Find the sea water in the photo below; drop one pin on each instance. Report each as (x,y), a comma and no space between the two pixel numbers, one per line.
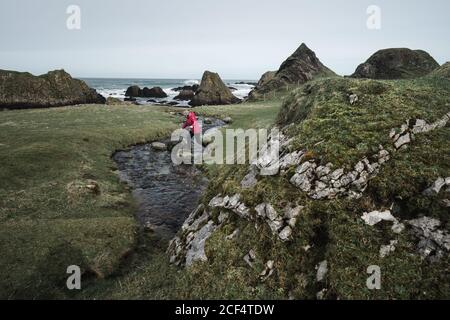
(110,87)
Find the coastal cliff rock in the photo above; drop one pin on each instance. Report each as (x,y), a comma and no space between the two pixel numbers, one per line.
(267,76)
(396,63)
(56,88)
(213,91)
(302,66)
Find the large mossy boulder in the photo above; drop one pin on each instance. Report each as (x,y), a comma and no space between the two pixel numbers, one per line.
(302,66)
(360,184)
(396,63)
(213,91)
(56,88)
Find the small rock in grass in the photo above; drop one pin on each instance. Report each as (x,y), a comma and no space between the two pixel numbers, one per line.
(385,250)
(322,270)
(353,99)
(159,146)
(436,187)
(227,120)
(285,234)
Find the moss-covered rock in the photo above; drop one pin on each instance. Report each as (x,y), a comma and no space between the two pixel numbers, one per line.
(56,88)
(396,63)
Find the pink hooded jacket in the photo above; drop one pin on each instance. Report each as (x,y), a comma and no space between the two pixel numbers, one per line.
(191,121)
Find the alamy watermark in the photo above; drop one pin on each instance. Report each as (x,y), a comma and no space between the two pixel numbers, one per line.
(73,21)
(228,146)
(373,282)
(374,18)
(74,280)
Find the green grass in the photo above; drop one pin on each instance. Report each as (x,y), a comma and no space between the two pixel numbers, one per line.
(47,214)
(50,220)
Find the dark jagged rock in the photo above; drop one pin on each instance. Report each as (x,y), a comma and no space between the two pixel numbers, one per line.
(185,95)
(396,63)
(300,67)
(213,91)
(155,92)
(193,88)
(56,88)
(133,91)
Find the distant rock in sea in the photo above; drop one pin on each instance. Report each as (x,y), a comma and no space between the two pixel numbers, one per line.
(192,88)
(56,88)
(300,67)
(155,92)
(185,95)
(213,91)
(133,91)
(396,63)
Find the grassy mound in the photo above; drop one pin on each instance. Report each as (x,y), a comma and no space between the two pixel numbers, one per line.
(442,72)
(322,121)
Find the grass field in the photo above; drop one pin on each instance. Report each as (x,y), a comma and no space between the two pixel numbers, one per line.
(61,202)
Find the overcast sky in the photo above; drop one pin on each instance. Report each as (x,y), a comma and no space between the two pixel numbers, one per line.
(240,39)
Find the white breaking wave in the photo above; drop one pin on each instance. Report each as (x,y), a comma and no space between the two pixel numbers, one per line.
(191,82)
(242,90)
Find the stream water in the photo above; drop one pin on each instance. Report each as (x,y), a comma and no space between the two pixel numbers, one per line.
(166,194)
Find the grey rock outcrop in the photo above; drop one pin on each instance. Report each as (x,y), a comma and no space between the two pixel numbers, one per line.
(213,91)
(302,66)
(433,242)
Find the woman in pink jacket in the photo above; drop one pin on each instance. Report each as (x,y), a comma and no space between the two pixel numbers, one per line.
(193,125)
